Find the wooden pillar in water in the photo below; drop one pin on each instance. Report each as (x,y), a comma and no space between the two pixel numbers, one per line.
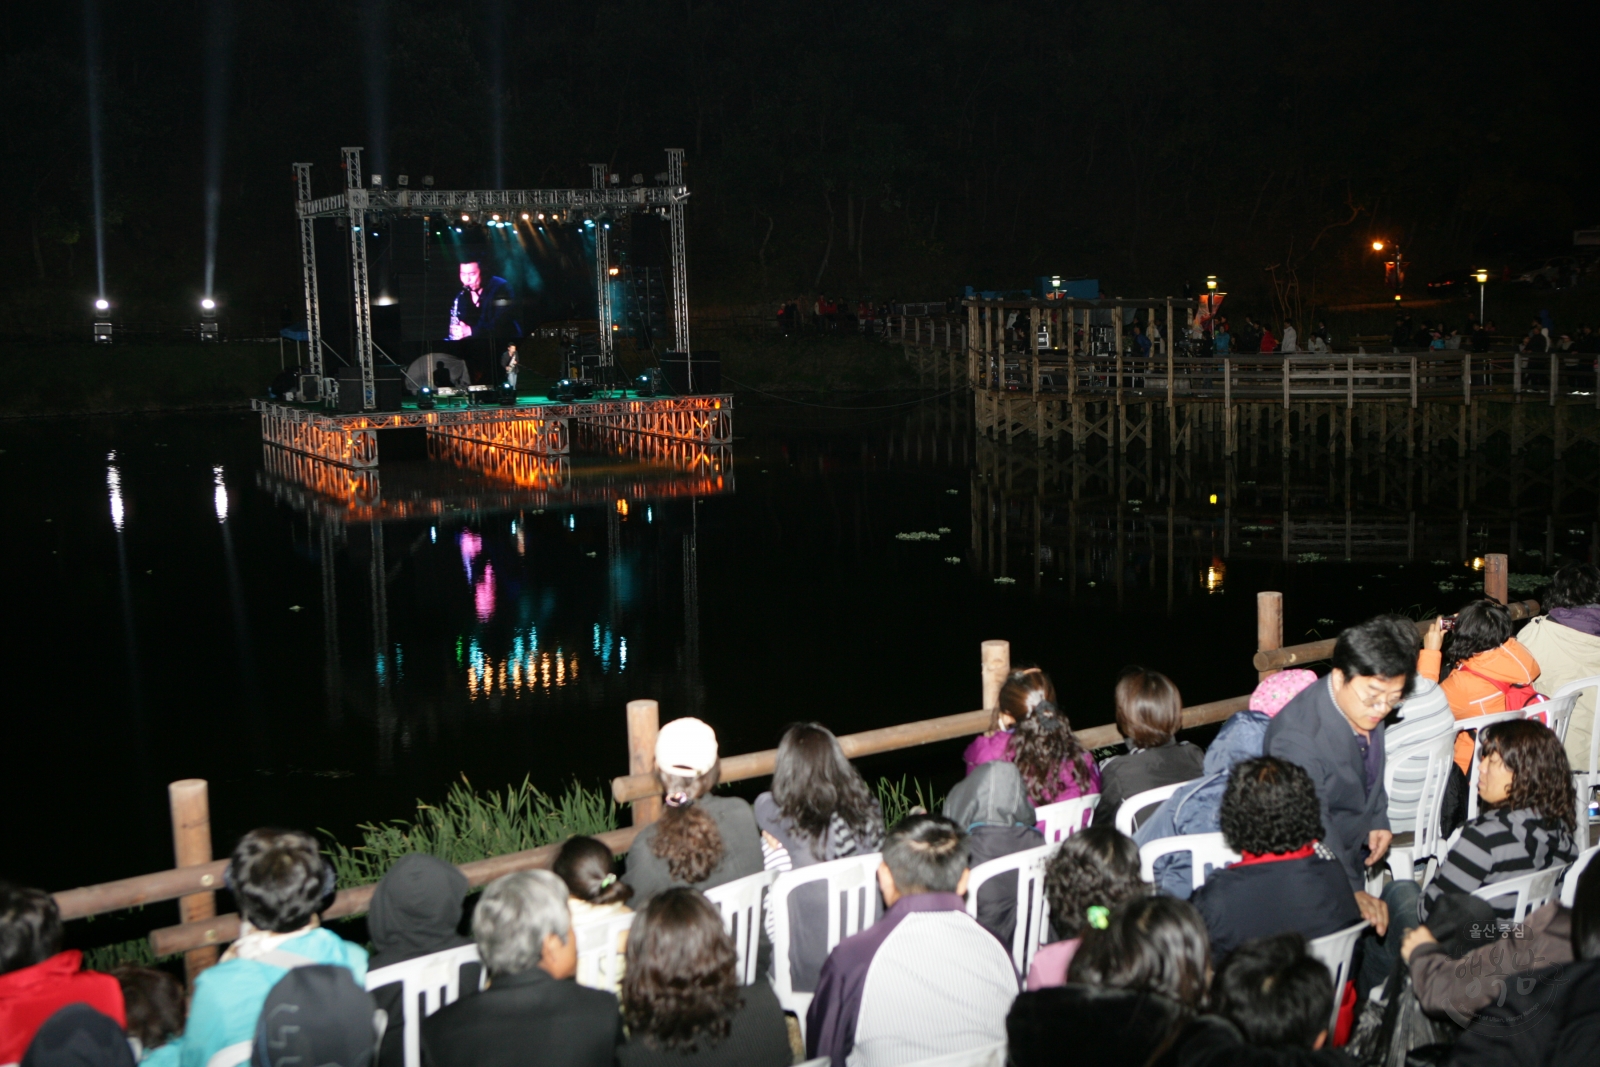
(1494,576)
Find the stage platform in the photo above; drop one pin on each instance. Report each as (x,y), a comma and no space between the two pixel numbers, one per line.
(539,426)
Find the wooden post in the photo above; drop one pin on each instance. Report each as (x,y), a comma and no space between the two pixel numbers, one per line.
(1555,373)
(996,656)
(1172,410)
(1269,620)
(1494,576)
(191,847)
(644,723)
(1122,415)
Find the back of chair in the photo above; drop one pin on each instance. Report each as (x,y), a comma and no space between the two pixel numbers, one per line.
(1532,890)
(602,946)
(1031,906)
(1335,951)
(853,905)
(1207,852)
(1569,882)
(1555,713)
(983,1056)
(1067,817)
(1427,769)
(740,904)
(427,984)
(1132,806)
(1577,689)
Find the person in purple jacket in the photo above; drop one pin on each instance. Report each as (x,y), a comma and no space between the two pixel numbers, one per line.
(1028,729)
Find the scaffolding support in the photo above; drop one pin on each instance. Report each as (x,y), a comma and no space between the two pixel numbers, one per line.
(311,384)
(602,273)
(680,255)
(361,292)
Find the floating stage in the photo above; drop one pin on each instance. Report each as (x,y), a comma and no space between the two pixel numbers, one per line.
(646,425)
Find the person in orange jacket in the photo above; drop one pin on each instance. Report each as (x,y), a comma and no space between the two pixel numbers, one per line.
(1483,661)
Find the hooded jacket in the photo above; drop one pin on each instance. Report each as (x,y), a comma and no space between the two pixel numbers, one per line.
(1473,694)
(30,995)
(1197,808)
(991,805)
(415,911)
(1567,645)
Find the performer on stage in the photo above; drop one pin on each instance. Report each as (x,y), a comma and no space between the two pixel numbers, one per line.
(478,309)
(508,367)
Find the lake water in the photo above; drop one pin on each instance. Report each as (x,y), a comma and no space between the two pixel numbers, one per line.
(184,604)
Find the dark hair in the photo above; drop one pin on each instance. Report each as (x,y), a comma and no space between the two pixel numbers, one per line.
(682,982)
(1043,746)
(1276,994)
(686,837)
(585,864)
(1151,944)
(1149,708)
(1482,625)
(154,1002)
(279,879)
(1097,866)
(1541,777)
(1586,914)
(1270,805)
(1384,646)
(813,781)
(30,927)
(926,854)
(1573,586)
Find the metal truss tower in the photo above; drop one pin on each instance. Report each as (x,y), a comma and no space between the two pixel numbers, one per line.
(311,381)
(361,291)
(680,254)
(602,270)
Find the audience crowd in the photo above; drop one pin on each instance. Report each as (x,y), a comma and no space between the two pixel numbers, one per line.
(1141,964)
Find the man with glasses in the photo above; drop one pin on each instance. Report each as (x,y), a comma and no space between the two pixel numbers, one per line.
(1334,729)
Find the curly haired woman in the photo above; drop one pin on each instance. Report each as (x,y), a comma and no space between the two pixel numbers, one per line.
(1030,730)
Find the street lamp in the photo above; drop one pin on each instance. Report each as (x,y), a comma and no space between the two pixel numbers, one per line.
(1483,280)
(1397,277)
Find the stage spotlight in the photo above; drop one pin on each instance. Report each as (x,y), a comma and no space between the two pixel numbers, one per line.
(495,217)
(466,218)
(102,304)
(524,216)
(425,398)
(638,179)
(541,216)
(404,179)
(377,181)
(427,179)
(614,271)
(209,304)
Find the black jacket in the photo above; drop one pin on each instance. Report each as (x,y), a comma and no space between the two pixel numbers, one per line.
(1313,732)
(759,1037)
(1144,768)
(522,1019)
(991,805)
(415,911)
(1549,1018)
(1089,1025)
(1240,903)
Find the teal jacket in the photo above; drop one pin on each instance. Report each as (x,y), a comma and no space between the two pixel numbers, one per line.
(228,998)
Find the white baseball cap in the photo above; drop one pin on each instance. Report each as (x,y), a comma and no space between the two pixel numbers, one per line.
(686,747)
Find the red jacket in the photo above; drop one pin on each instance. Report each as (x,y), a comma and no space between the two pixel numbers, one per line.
(31,995)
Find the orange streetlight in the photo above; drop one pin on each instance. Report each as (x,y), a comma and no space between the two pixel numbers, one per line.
(1377,246)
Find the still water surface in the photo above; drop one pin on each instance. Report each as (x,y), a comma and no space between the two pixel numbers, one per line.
(182,604)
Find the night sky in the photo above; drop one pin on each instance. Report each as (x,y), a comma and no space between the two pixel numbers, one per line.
(880,150)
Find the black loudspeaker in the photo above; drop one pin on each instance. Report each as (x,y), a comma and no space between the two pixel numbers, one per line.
(697,372)
(391,386)
(350,390)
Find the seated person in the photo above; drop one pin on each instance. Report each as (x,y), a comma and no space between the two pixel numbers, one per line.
(1476,663)
(1285,881)
(1272,1001)
(595,893)
(317,1016)
(1030,730)
(415,911)
(1544,940)
(700,840)
(524,935)
(36,977)
(1149,713)
(1135,984)
(1566,642)
(1091,872)
(1412,728)
(682,1000)
(155,1007)
(281,884)
(78,1035)
(991,805)
(1197,808)
(925,980)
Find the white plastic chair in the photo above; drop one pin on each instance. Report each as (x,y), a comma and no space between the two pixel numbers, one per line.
(1335,951)
(853,905)
(1569,884)
(1205,850)
(427,984)
(1575,689)
(983,1056)
(1532,890)
(1066,818)
(1435,760)
(1031,907)
(1132,806)
(740,904)
(602,947)
(1555,713)
(1586,778)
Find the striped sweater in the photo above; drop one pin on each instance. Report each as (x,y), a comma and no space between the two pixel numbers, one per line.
(1497,845)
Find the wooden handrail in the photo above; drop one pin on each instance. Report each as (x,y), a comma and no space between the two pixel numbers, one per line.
(1315,651)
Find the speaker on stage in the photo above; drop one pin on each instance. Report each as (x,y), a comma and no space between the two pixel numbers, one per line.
(350,390)
(390,383)
(692,372)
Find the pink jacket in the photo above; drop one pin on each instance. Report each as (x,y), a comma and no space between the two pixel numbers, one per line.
(986,748)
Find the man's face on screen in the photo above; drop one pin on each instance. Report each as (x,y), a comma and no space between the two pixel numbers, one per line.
(471,277)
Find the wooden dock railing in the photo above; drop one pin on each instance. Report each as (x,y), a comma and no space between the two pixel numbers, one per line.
(195,881)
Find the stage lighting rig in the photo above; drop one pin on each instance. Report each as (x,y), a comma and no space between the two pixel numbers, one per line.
(102,325)
(427,180)
(208,319)
(404,180)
